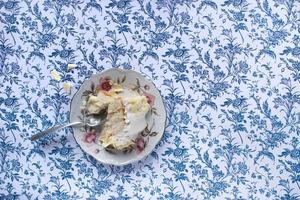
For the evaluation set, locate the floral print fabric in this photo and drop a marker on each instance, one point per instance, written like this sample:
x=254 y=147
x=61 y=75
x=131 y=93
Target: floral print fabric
x=229 y=73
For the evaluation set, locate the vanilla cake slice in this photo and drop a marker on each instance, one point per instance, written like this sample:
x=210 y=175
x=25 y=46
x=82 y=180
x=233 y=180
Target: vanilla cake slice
x=126 y=116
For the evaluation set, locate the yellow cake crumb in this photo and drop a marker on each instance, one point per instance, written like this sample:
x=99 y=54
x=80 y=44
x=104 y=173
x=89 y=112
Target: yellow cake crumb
x=67 y=87
x=55 y=75
x=71 y=66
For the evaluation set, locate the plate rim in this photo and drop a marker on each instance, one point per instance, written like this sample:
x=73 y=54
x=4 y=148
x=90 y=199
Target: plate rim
x=124 y=71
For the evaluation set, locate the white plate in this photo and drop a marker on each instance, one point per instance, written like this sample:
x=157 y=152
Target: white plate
x=156 y=119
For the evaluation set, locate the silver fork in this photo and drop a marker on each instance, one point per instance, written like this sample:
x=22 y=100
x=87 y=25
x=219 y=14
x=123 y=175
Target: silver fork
x=91 y=122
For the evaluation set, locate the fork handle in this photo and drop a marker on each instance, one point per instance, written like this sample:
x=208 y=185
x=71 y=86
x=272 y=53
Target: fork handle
x=55 y=128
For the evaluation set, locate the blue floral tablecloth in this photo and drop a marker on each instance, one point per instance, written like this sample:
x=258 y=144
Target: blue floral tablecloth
x=229 y=72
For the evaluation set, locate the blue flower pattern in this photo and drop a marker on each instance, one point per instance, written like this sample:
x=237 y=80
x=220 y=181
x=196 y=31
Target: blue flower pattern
x=228 y=71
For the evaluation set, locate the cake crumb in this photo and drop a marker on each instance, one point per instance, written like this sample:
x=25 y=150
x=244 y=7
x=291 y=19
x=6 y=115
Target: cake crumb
x=71 y=66
x=55 y=75
x=67 y=87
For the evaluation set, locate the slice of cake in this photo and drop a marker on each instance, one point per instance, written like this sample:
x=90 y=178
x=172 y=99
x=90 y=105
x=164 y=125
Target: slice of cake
x=96 y=104
x=126 y=116
x=114 y=124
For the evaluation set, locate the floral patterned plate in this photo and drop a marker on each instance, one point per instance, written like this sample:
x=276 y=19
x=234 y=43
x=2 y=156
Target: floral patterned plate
x=156 y=118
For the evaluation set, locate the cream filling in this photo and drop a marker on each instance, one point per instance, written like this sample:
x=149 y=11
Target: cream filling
x=97 y=103
x=136 y=108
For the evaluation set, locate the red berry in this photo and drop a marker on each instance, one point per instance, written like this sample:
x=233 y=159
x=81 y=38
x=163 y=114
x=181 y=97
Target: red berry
x=105 y=86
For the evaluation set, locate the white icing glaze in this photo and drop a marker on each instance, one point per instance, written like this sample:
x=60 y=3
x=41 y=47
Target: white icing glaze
x=135 y=110
x=135 y=122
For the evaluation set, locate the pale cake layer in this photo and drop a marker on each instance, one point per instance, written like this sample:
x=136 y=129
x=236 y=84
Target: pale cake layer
x=126 y=111
x=96 y=104
x=114 y=123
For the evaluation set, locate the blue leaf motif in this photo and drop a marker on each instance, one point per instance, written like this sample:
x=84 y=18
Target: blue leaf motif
x=239 y=127
x=266 y=109
x=206 y=158
x=149 y=53
x=181 y=176
x=267 y=52
x=267 y=7
x=149 y=9
x=207 y=58
x=152 y=54
x=36 y=10
x=35 y=108
x=240 y=26
x=206 y=3
x=36 y=150
x=286 y=51
x=37 y=54
x=207 y=103
x=92 y=59
x=169 y=52
x=211 y=4
x=264 y=153
x=285 y=153
x=55 y=53
x=269 y=155
x=92 y=4
x=154 y=155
